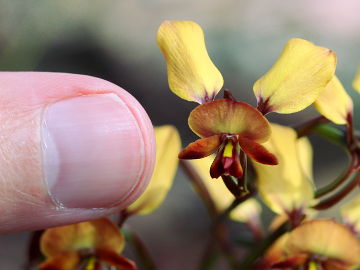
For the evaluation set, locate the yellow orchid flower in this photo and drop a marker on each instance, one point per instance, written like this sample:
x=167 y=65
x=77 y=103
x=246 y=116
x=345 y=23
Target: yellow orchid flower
x=356 y=81
x=296 y=79
x=334 y=102
x=191 y=73
x=316 y=244
x=350 y=213
x=90 y=242
x=227 y=126
x=287 y=187
x=168 y=144
x=247 y=212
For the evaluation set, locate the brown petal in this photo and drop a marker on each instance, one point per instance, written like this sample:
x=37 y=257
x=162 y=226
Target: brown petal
x=226 y=116
x=115 y=259
x=291 y=262
x=65 y=261
x=217 y=168
x=257 y=152
x=201 y=148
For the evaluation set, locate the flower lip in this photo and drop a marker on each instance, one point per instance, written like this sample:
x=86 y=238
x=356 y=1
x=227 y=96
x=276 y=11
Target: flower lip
x=229 y=117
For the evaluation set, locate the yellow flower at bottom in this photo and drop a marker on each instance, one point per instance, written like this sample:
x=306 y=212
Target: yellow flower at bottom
x=66 y=247
x=334 y=103
x=288 y=186
x=168 y=145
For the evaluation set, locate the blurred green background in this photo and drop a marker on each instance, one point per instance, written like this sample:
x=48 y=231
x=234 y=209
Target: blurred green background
x=116 y=40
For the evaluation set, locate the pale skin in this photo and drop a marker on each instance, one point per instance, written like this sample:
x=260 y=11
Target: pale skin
x=25 y=203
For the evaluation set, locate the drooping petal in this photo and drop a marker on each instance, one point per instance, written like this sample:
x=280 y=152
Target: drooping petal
x=334 y=103
x=201 y=148
x=350 y=213
x=100 y=233
x=63 y=261
x=296 y=79
x=191 y=73
x=287 y=186
x=356 y=81
x=168 y=145
x=249 y=211
x=115 y=259
x=226 y=116
x=257 y=152
x=327 y=238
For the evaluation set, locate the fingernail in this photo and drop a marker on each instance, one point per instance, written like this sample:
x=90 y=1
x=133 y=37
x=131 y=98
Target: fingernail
x=92 y=151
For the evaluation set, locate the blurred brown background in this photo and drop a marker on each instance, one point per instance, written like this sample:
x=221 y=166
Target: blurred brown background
x=116 y=40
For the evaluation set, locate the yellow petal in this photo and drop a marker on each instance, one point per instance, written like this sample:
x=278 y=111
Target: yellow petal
x=245 y=212
x=100 y=233
x=297 y=78
x=334 y=103
x=191 y=73
x=167 y=148
x=356 y=81
x=327 y=238
x=287 y=186
x=350 y=213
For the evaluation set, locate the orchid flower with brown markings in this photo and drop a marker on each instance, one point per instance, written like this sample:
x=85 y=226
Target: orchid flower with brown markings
x=231 y=128
x=85 y=245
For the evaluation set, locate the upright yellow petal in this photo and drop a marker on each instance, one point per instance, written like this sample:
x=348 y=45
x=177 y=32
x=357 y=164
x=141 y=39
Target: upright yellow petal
x=248 y=211
x=191 y=73
x=287 y=186
x=94 y=234
x=296 y=79
x=334 y=103
x=327 y=238
x=350 y=213
x=167 y=148
x=356 y=81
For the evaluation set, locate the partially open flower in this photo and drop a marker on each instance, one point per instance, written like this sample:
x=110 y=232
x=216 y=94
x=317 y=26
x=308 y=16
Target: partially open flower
x=167 y=146
x=85 y=243
x=334 y=103
x=230 y=128
x=191 y=73
x=318 y=244
x=296 y=79
x=286 y=188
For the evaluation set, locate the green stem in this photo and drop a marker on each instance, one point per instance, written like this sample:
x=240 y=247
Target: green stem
x=331 y=133
x=335 y=198
x=259 y=250
x=141 y=251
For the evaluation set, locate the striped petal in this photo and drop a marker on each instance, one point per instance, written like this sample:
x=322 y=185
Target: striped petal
x=191 y=73
x=296 y=79
x=226 y=116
